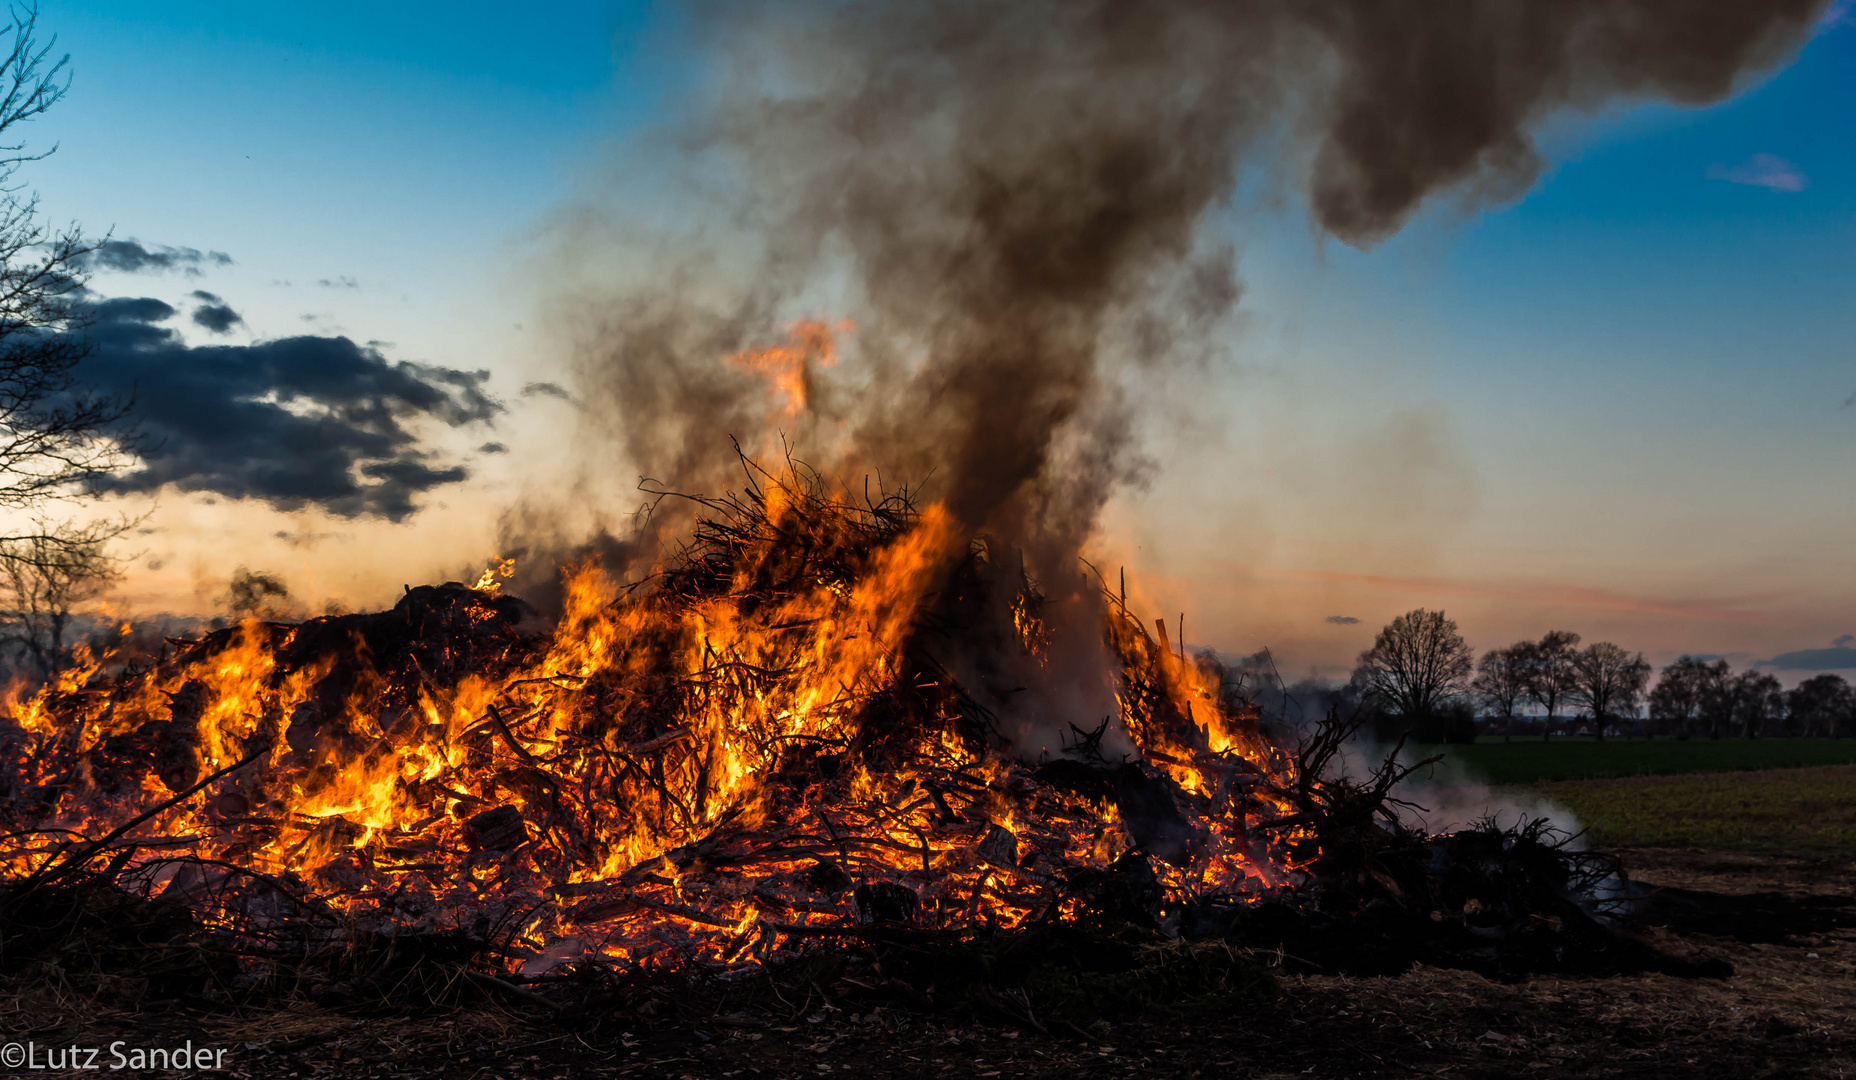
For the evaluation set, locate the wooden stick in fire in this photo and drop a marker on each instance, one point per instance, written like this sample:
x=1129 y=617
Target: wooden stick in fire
x=46 y=874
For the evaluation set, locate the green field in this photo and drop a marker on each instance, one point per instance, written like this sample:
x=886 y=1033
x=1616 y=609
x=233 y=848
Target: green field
x=1797 y=810
x=1533 y=761
x=1779 y=795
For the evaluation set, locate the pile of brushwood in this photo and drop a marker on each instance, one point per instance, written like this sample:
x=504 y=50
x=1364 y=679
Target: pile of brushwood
x=1378 y=898
x=1382 y=896
x=1374 y=896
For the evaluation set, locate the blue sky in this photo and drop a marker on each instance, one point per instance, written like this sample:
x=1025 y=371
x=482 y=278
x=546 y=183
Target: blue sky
x=404 y=148
x=1631 y=380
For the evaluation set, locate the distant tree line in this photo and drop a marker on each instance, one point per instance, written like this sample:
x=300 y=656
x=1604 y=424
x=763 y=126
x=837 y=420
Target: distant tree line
x=1420 y=677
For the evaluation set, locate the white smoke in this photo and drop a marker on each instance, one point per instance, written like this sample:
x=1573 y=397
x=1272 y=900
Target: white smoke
x=1450 y=796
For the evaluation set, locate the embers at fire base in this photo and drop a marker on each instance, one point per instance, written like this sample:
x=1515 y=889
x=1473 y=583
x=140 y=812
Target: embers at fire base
x=755 y=753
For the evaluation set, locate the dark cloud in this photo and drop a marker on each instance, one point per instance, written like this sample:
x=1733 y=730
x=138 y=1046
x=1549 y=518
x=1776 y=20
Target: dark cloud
x=214 y=314
x=1840 y=656
x=217 y=318
x=300 y=421
x=1837 y=659
x=131 y=257
x=125 y=309
x=1342 y=620
x=492 y=448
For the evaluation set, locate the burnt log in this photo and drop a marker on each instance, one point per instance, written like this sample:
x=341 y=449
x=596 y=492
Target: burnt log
x=827 y=877
x=177 y=754
x=1077 y=778
x=497 y=829
x=1000 y=848
x=305 y=727
x=885 y=902
x=1128 y=891
x=1151 y=816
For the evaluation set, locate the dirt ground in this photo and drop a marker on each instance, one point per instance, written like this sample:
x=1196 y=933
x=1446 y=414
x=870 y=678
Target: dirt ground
x=1786 y=924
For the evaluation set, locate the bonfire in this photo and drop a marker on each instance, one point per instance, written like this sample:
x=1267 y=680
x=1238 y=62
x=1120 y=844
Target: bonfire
x=756 y=751
x=753 y=746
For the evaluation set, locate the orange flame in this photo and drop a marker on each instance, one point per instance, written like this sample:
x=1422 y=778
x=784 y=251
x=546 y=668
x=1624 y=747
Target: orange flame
x=788 y=367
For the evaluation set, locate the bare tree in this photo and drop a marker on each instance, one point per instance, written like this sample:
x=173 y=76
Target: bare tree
x=256 y=594
x=1416 y=663
x=1719 y=696
x=1750 y=699
x=1550 y=672
x=1758 y=702
x=1501 y=682
x=1821 y=703
x=47 y=574
x=1608 y=681
x=1679 y=701
x=57 y=438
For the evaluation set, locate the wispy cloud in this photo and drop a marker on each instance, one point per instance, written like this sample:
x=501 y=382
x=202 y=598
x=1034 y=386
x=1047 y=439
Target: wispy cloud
x=1841 y=13
x=546 y=389
x=1769 y=171
x=1343 y=620
x=1557 y=595
x=133 y=257
x=1840 y=659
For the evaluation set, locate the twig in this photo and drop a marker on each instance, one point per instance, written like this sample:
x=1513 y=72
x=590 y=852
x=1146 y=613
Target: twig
x=46 y=874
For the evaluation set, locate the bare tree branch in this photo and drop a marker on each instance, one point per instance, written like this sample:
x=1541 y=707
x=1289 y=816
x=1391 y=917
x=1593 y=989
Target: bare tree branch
x=57 y=438
x=47 y=574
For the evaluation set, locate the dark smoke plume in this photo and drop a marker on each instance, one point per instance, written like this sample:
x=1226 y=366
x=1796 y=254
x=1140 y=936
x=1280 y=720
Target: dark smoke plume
x=1010 y=200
